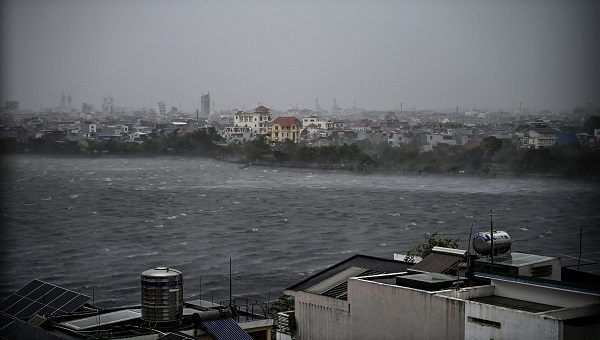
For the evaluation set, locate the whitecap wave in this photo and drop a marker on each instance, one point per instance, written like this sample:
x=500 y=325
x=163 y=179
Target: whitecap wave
x=143 y=254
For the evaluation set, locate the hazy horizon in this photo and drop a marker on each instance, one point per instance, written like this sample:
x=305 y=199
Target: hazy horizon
x=425 y=54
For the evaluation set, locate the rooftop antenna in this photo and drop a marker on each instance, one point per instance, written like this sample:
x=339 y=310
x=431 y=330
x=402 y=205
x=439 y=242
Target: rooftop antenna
x=230 y=296
x=470 y=260
x=470 y=235
x=580 y=237
x=492 y=236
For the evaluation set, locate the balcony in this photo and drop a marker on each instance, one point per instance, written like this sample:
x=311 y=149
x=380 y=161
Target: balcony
x=286 y=325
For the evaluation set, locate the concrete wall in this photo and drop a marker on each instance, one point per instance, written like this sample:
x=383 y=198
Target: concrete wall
x=504 y=323
x=588 y=330
x=547 y=295
x=383 y=311
x=320 y=317
x=469 y=292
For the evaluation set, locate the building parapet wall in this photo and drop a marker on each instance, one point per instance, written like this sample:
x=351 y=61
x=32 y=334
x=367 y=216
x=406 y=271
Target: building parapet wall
x=483 y=321
x=542 y=294
x=407 y=310
x=321 y=317
x=469 y=292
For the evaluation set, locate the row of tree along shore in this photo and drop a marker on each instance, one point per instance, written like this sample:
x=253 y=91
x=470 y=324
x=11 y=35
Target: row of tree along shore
x=493 y=156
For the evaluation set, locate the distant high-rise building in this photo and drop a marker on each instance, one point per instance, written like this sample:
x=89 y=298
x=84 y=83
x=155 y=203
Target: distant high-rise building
x=205 y=104
x=162 y=108
x=107 y=104
x=12 y=106
x=87 y=108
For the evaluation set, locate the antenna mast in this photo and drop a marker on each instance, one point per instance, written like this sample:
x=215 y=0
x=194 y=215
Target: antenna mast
x=492 y=236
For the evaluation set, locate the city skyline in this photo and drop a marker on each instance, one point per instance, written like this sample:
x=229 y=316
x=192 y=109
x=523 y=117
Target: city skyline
x=428 y=55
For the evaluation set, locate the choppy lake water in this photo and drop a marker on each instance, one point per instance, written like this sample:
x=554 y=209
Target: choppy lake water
x=85 y=222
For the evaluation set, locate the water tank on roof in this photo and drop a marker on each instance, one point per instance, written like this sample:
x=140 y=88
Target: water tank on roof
x=162 y=295
x=482 y=243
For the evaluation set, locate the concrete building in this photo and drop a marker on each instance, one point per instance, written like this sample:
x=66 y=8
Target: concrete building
x=285 y=128
x=162 y=109
x=248 y=125
x=321 y=123
x=435 y=300
x=12 y=106
x=258 y=121
x=430 y=140
x=87 y=108
x=536 y=136
x=205 y=104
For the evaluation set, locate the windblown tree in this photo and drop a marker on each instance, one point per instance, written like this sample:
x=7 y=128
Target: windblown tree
x=424 y=248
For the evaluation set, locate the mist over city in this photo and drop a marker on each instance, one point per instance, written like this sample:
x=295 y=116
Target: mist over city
x=374 y=55
x=299 y=169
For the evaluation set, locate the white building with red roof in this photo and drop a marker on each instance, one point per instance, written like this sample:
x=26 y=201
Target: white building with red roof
x=249 y=125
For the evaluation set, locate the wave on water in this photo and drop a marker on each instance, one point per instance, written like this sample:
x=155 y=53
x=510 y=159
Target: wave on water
x=277 y=229
x=143 y=254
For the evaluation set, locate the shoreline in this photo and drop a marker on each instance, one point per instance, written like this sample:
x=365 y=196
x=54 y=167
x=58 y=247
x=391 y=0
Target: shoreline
x=320 y=167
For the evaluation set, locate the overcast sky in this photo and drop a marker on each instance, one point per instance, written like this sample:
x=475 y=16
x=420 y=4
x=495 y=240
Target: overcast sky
x=424 y=54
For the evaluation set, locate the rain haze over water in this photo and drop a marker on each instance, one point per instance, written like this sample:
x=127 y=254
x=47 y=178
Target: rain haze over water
x=81 y=223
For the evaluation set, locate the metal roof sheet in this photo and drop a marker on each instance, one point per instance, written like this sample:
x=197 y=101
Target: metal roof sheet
x=335 y=280
x=225 y=329
x=383 y=265
x=437 y=263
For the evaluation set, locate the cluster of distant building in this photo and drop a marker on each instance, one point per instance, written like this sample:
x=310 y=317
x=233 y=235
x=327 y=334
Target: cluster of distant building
x=424 y=129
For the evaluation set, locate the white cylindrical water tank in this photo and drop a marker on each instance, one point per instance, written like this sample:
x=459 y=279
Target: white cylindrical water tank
x=482 y=242
x=162 y=295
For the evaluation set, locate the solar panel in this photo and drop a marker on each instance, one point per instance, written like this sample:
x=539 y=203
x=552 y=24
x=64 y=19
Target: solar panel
x=31 y=286
x=41 y=297
x=9 y=302
x=29 y=311
x=75 y=303
x=8 y=329
x=225 y=329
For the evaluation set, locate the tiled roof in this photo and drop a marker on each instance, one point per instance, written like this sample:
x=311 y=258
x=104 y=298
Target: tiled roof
x=543 y=129
x=285 y=121
x=262 y=108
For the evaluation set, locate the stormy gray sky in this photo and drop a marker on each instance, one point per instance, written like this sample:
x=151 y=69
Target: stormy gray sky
x=424 y=54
